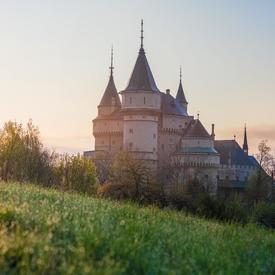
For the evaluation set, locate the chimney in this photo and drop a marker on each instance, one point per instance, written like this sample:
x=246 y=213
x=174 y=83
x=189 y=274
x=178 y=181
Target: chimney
x=168 y=91
x=213 y=131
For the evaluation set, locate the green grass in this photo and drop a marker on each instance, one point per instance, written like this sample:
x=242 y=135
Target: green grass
x=47 y=232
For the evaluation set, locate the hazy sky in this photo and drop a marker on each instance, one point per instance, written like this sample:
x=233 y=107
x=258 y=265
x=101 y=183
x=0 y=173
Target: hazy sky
x=54 y=59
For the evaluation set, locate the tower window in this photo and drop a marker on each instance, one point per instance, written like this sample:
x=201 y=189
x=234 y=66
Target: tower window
x=144 y=100
x=130 y=100
x=131 y=131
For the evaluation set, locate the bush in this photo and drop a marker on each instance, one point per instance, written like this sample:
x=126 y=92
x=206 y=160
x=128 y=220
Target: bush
x=264 y=214
x=211 y=207
x=76 y=173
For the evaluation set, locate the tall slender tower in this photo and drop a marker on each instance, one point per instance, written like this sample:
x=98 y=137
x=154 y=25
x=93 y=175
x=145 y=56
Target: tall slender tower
x=245 y=144
x=141 y=101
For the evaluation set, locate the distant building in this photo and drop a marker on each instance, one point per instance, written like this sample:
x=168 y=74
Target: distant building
x=156 y=128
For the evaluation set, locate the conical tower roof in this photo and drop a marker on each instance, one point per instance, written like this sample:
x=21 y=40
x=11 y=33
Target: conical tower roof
x=110 y=96
x=180 y=94
x=142 y=78
x=245 y=143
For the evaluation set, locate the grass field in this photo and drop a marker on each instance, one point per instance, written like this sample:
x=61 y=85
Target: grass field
x=47 y=232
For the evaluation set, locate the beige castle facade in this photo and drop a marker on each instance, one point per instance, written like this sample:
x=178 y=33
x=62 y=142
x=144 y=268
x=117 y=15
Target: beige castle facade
x=156 y=127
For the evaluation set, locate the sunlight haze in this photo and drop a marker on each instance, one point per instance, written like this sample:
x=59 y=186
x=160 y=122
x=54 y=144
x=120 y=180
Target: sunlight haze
x=55 y=58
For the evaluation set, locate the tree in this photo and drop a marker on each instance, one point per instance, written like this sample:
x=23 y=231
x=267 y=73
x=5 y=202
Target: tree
x=130 y=179
x=22 y=156
x=260 y=184
x=76 y=173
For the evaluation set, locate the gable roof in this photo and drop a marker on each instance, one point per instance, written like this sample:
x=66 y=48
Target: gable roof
x=110 y=96
x=142 y=78
x=230 y=149
x=196 y=130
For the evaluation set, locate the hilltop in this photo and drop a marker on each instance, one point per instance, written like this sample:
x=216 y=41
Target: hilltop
x=54 y=232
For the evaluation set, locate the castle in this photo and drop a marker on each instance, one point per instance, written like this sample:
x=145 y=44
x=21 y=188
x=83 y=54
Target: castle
x=156 y=128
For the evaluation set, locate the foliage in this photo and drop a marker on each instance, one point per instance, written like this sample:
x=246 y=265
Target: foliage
x=49 y=232
x=76 y=173
x=22 y=156
x=24 y=159
x=264 y=214
x=132 y=178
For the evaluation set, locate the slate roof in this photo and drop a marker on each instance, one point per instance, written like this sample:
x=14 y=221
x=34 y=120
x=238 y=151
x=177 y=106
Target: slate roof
x=109 y=94
x=170 y=106
x=198 y=150
x=230 y=148
x=196 y=130
x=180 y=95
x=142 y=78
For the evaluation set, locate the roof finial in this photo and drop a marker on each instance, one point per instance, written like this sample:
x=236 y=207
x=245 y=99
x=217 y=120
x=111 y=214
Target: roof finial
x=112 y=61
x=141 y=37
x=180 y=73
x=198 y=115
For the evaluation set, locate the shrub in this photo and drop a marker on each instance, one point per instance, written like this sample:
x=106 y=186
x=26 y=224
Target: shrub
x=211 y=207
x=264 y=214
x=76 y=173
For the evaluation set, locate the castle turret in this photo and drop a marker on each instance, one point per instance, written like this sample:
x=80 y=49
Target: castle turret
x=110 y=100
x=180 y=94
x=245 y=144
x=141 y=102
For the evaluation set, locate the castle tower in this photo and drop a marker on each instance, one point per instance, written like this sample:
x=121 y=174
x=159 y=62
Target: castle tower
x=108 y=126
x=245 y=144
x=180 y=94
x=141 y=102
x=110 y=100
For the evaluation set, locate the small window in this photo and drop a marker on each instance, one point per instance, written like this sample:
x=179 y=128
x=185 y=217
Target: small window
x=113 y=142
x=154 y=135
x=218 y=177
x=102 y=142
x=154 y=149
x=131 y=145
x=144 y=100
x=131 y=131
x=130 y=100
x=206 y=176
x=162 y=147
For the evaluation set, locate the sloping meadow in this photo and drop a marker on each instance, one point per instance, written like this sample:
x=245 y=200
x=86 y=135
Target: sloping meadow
x=48 y=232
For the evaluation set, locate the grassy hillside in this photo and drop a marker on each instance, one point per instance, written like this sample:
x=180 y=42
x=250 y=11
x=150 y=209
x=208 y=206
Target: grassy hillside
x=59 y=233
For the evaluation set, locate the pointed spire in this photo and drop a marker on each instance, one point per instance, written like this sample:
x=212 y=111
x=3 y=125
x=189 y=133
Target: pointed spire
x=180 y=94
x=110 y=96
x=112 y=61
x=141 y=35
x=142 y=78
x=245 y=144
